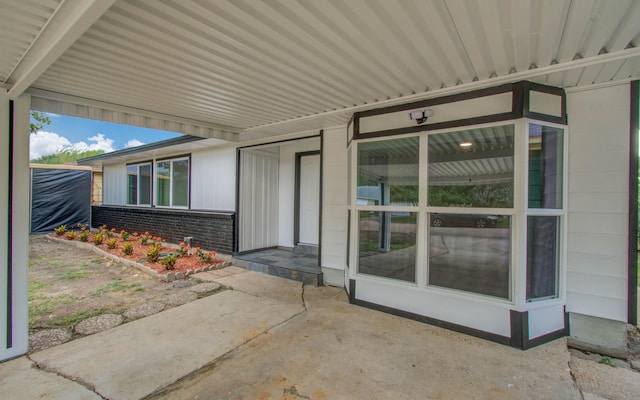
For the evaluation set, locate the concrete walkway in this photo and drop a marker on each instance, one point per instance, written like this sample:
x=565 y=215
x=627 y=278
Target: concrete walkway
x=271 y=338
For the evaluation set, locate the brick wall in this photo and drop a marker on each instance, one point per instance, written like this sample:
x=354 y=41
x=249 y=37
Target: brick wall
x=210 y=230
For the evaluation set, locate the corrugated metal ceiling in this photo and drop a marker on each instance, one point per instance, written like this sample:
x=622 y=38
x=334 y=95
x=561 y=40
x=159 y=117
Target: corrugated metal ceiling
x=273 y=67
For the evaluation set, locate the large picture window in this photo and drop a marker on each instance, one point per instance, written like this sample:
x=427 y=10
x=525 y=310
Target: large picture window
x=139 y=184
x=462 y=195
x=172 y=183
x=472 y=168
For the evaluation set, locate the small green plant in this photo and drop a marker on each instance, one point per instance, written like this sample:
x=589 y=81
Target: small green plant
x=84 y=236
x=145 y=238
x=124 y=235
x=98 y=239
x=606 y=360
x=71 y=235
x=169 y=261
x=82 y=227
x=153 y=253
x=60 y=230
x=127 y=248
x=111 y=243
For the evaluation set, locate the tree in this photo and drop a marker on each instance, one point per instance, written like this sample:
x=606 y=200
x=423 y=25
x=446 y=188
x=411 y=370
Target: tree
x=66 y=156
x=38 y=121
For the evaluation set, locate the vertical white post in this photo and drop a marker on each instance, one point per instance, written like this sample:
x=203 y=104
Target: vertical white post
x=14 y=225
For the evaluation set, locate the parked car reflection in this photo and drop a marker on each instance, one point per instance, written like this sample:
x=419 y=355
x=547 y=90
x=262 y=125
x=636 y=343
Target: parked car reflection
x=463 y=220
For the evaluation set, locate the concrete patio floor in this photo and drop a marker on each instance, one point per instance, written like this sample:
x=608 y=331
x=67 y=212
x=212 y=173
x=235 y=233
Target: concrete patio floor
x=271 y=338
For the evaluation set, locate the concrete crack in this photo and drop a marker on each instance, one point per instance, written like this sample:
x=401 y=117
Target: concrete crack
x=294 y=391
x=89 y=386
x=574 y=380
x=304 y=304
x=162 y=391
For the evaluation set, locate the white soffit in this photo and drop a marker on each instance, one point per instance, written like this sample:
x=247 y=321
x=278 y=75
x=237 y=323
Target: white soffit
x=266 y=68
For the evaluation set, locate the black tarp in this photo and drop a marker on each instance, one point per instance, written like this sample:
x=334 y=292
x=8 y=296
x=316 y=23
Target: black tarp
x=59 y=197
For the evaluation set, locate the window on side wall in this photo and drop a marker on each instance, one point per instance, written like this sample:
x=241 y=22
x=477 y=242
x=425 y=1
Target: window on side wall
x=387 y=198
x=172 y=183
x=546 y=210
x=139 y=184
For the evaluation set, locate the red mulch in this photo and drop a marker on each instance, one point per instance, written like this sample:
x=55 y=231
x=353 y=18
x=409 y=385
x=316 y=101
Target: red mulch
x=183 y=264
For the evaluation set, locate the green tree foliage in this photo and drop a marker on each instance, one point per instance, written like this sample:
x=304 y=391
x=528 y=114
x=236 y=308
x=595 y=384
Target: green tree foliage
x=38 y=121
x=66 y=156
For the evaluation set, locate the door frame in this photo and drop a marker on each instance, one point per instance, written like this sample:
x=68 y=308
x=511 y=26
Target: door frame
x=296 y=206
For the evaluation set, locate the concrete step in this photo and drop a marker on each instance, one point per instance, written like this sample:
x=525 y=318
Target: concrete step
x=305 y=249
x=309 y=275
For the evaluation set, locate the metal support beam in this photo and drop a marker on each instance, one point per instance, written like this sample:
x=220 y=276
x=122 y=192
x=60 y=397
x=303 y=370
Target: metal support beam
x=69 y=21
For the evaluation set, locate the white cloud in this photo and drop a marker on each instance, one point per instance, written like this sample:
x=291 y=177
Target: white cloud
x=44 y=143
x=100 y=143
x=52 y=115
x=133 y=143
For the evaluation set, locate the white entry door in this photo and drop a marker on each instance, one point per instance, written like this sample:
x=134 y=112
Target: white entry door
x=309 y=199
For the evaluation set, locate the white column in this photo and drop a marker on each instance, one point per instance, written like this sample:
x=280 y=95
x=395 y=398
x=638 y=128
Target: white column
x=14 y=225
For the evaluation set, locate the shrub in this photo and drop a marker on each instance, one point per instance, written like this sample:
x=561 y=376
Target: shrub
x=84 y=236
x=153 y=253
x=71 y=235
x=183 y=250
x=169 y=261
x=124 y=235
x=206 y=257
x=127 y=248
x=111 y=243
x=98 y=238
x=83 y=227
x=60 y=230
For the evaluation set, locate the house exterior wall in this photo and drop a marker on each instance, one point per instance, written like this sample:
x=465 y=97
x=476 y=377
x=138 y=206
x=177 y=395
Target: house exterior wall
x=334 y=205
x=598 y=215
x=209 y=230
x=213 y=177
x=598 y=202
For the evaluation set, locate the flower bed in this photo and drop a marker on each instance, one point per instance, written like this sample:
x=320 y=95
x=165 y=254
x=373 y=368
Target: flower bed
x=147 y=251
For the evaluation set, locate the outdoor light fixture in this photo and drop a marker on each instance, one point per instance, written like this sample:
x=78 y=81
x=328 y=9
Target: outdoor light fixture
x=420 y=116
x=466 y=144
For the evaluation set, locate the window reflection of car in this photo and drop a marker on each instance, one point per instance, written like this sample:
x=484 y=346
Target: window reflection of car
x=463 y=220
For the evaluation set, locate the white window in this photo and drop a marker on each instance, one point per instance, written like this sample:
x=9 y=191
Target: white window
x=139 y=184
x=172 y=183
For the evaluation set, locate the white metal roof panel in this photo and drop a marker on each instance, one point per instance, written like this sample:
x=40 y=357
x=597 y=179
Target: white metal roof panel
x=275 y=67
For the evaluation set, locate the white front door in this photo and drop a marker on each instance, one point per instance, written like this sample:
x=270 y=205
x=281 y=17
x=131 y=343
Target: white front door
x=309 y=199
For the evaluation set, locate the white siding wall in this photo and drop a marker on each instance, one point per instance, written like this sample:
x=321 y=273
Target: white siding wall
x=259 y=200
x=213 y=180
x=286 y=191
x=598 y=202
x=114 y=185
x=334 y=199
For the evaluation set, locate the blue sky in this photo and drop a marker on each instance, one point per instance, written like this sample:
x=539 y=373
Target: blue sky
x=66 y=132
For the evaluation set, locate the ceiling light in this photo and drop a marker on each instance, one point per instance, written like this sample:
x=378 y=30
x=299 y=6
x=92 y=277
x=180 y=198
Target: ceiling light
x=466 y=144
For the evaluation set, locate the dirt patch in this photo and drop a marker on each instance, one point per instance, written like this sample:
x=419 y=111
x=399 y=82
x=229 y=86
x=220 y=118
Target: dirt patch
x=68 y=285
